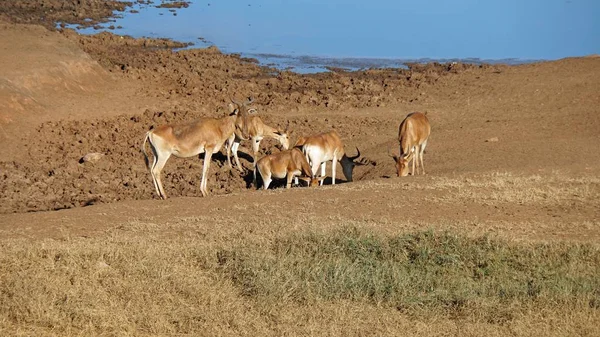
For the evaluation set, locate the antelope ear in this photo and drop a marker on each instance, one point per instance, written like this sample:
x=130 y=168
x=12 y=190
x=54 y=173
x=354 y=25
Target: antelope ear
x=306 y=179
x=408 y=157
x=251 y=111
x=279 y=133
x=321 y=178
x=287 y=128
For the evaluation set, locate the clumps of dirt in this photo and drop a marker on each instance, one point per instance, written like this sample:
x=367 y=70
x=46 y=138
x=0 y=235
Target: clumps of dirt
x=174 y=4
x=206 y=75
x=57 y=176
x=48 y=12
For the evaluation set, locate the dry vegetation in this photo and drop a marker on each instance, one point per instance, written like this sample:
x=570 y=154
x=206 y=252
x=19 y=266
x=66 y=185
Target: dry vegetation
x=182 y=278
x=503 y=187
x=305 y=273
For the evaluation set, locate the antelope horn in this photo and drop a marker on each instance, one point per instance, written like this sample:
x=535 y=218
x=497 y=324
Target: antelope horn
x=354 y=157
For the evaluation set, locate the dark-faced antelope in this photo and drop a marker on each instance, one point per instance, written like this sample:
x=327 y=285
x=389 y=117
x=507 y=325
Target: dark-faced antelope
x=257 y=130
x=285 y=164
x=412 y=136
x=328 y=146
x=205 y=135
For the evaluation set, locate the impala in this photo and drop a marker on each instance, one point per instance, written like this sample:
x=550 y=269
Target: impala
x=412 y=136
x=328 y=146
x=205 y=135
x=257 y=130
x=285 y=164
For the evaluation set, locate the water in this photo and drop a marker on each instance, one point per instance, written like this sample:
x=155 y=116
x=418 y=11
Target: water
x=310 y=35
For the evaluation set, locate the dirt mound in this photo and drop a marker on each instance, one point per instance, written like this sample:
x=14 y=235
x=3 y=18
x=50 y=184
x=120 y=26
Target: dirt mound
x=40 y=66
x=40 y=70
x=44 y=77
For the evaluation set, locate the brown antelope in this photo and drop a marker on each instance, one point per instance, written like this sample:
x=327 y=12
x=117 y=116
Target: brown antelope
x=412 y=136
x=205 y=135
x=257 y=130
x=328 y=146
x=285 y=164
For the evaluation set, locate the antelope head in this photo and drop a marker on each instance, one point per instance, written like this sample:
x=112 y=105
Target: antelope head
x=312 y=182
x=348 y=163
x=284 y=137
x=401 y=163
x=241 y=110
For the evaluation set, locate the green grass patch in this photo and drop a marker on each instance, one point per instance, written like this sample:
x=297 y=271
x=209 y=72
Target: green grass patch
x=425 y=270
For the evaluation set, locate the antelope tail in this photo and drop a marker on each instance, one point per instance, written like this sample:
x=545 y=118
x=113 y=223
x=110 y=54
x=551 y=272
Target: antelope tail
x=146 y=160
x=254 y=182
x=306 y=167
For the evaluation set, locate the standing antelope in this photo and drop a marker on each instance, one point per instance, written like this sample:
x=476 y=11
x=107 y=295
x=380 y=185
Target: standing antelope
x=257 y=130
x=186 y=140
x=285 y=164
x=321 y=148
x=412 y=136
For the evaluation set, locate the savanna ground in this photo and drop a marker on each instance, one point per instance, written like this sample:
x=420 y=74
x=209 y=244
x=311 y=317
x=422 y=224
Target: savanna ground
x=499 y=238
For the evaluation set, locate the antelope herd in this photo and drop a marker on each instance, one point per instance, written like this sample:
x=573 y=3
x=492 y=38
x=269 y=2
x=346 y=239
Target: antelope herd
x=309 y=153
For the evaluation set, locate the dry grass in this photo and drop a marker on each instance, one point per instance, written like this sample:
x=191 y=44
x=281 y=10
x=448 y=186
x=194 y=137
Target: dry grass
x=194 y=277
x=496 y=187
x=423 y=272
x=339 y=272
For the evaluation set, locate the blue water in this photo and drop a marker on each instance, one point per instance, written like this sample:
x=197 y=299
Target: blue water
x=308 y=35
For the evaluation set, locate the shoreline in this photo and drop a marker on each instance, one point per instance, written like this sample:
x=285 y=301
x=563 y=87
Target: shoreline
x=92 y=24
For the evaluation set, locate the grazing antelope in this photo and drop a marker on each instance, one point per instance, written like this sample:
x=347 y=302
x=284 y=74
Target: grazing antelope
x=205 y=135
x=285 y=164
x=412 y=136
x=321 y=148
x=257 y=130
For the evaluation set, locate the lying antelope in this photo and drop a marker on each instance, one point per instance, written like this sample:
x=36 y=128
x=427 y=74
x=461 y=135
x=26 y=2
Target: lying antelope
x=257 y=130
x=205 y=135
x=285 y=164
x=324 y=147
x=412 y=136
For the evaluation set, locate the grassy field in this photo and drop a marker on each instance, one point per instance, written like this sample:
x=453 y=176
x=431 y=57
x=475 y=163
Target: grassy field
x=142 y=278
